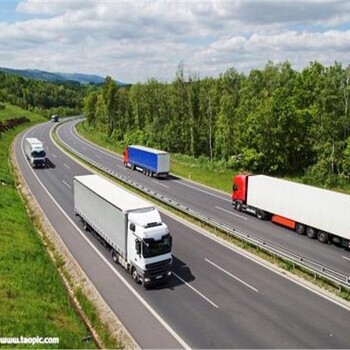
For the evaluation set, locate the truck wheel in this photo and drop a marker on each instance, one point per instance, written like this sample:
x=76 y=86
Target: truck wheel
x=300 y=229
x=323 y=237
x=260 y=214
x=135 y=275
x=238 y=206
x=311 y=232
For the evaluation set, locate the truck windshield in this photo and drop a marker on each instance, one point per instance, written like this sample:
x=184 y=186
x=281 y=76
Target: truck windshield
x=38 y=154
x=151 y=247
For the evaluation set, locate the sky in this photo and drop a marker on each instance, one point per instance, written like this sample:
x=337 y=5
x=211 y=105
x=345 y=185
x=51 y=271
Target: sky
x=134 y=41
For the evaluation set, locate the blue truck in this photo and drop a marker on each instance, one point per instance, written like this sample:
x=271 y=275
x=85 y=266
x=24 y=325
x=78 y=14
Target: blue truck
x=150 y=161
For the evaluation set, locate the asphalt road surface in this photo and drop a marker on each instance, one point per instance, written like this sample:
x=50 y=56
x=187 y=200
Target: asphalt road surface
x=214 y=204
x=217 y=297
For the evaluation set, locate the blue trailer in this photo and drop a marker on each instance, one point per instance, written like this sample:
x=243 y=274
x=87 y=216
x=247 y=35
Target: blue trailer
x=150 y=161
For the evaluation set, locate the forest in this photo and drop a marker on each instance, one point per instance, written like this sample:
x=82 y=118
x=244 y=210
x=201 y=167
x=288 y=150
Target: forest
x=42 y=97
x=275 y=120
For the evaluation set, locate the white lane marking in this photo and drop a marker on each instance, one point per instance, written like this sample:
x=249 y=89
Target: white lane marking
x=54 y=155
x=66 y=184
x=230 y=212
x=103 y=258
x=98 y=156
x=346 y=258
x=231 y=275
x=66 y=165
x=195 y=290
x=84 y=148
x=204 y=191
x=160 y=184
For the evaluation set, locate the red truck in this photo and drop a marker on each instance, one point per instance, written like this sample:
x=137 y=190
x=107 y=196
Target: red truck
x=309 y=210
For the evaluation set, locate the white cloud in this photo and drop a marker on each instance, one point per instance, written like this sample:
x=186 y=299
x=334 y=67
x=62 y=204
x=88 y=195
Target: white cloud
x=136 y=40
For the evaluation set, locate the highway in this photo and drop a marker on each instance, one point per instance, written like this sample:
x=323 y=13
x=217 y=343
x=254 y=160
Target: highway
x=214 y=204
x=218 y=297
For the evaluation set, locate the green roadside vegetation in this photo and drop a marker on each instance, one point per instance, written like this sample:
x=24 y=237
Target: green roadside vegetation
x=33 y=299
x=214 y=174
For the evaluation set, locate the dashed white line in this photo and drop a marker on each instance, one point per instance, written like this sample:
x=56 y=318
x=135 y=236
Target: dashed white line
x=207 y=192
x=66 y=184
x=66 y=165
x=98 y=156
x=231 y=275
x=160 y=184
x=346 y=258
x=54 y=155
x=195 y=290
x=230 y=212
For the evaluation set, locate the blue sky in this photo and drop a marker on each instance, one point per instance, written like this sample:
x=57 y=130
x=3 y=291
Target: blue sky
x=137 y=40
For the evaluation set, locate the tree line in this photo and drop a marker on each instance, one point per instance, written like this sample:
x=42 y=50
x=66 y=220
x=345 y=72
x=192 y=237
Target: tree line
x=42 y=97
x=274 y=120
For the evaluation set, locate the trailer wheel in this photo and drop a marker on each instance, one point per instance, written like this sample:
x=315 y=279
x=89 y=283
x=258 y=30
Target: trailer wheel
x=323 y=237
x=260 y=214
x=114 y=256
x=85 y=225
x=300 y=229
x=135 y=275
x=311 y=232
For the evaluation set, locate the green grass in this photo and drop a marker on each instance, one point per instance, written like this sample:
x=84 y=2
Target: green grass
x=33 y=299
x=213 y=174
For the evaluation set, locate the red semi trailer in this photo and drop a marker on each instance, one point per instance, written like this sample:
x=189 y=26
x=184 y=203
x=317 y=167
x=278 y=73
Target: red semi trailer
x=309 y=210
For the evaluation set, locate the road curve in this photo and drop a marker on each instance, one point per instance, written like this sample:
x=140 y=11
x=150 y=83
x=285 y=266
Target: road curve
x=217 y=298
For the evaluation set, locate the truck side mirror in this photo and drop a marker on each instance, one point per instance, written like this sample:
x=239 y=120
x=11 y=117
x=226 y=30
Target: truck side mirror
x=132 y=227
x=138 y=246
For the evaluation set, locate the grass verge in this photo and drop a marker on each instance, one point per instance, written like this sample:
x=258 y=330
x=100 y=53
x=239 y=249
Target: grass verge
x=33 y=299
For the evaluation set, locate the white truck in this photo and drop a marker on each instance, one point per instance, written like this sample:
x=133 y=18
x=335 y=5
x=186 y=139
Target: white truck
x=34 y=151
x=309 y=210
x=130 y=227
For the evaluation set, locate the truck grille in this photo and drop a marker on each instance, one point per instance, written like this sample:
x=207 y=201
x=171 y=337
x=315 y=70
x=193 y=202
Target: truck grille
x=158 y=268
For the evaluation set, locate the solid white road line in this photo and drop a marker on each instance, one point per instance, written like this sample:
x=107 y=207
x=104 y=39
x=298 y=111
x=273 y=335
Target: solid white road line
x=201 y=190
x=231 y=275
x=231 y=212
x=160 y=184
x=66 y=165
x=346 y=258
x=66 y=184
x=104 y=259
x=195 y=290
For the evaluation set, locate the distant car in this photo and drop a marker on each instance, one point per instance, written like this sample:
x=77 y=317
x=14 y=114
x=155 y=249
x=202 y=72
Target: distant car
x=54 y=118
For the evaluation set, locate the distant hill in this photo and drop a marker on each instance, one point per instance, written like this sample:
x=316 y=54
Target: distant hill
x=58 y=77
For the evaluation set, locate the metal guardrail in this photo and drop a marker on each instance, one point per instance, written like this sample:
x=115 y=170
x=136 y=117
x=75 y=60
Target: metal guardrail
x=312 y=266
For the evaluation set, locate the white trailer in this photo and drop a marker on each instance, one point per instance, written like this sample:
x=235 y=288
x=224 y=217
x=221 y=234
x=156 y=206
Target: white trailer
x=34 y=151
x=306 y=209
x=131 y=227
